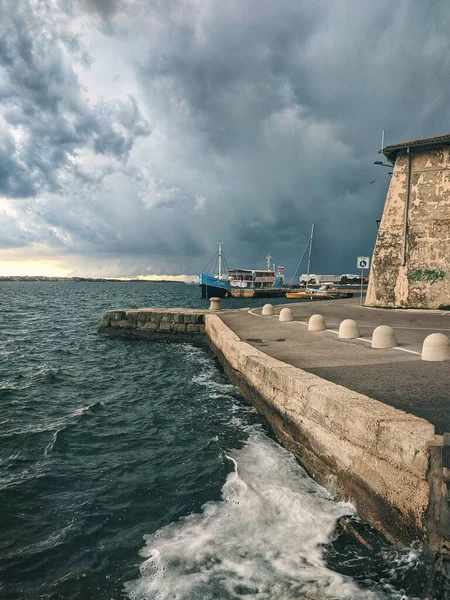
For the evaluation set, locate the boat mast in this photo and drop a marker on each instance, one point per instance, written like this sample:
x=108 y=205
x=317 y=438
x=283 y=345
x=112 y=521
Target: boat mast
x=310 y=248
x=220 y=259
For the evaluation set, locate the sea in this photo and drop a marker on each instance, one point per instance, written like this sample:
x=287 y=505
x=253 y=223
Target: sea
x=134 y=469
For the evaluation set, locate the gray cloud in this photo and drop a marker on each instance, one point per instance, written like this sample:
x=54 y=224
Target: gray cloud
x=265 y=117
x=45 y=107
x=104 y=7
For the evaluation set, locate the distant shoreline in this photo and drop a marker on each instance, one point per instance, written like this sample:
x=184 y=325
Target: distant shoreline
x=83 y=279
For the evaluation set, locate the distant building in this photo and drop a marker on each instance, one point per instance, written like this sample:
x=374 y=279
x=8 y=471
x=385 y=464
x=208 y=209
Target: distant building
x=351 y=276
x=318 y=279
x=313 y=279
x=411 y=260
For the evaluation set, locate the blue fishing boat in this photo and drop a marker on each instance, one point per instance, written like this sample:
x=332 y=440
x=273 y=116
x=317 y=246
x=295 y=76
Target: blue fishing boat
x=223 y=284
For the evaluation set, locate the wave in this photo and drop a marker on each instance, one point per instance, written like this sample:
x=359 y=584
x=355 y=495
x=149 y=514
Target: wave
x=56 y=538
x=47 y=436
x=51 y=426
x=83 y=409
x=46 y=374
x=264 y=539
x=30 y=473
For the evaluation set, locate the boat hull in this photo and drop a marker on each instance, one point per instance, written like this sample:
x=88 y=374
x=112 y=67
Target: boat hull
x=212 y=291
x=306 y=296
x=317 y=296
x=213 y=287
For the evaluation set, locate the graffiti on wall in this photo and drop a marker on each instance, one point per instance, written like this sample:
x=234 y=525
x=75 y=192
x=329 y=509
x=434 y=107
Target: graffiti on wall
x=428 y=275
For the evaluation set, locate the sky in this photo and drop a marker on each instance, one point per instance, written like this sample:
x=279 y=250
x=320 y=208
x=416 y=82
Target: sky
x=136 y=134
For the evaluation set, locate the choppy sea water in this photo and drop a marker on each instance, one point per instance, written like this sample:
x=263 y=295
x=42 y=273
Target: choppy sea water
x=134 y=470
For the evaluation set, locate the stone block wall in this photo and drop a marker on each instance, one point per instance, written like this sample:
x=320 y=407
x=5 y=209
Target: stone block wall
x=153 y=322
x=424 y=280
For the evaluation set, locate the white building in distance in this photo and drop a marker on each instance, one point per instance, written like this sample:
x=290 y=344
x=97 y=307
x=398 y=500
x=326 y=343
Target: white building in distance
x=318 y=279
x=313 y=279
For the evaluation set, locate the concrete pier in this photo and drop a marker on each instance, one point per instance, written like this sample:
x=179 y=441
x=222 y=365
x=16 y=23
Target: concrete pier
x=365 y=422
x=259 y=293
x=394 y=376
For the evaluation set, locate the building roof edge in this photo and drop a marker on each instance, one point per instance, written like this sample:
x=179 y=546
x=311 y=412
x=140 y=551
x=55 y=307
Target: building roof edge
x=391 y=151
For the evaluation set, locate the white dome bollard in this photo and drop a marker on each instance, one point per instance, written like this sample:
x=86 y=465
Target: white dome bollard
x=384 y=337
x=267 y=310
x=436 y=347
x=348 y=329
x=317 y=323
x=286 y=315
x=215 y=304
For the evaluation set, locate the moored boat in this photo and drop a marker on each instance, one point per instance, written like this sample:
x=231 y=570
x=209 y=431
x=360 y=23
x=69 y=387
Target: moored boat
x=213 y=286
x=327 y=291
x=242 y=282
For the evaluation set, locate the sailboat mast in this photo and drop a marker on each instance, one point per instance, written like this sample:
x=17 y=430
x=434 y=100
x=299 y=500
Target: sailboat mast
x=310 y=249
x=220 y=259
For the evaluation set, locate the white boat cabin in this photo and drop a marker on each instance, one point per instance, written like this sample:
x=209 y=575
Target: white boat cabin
x=246 y=278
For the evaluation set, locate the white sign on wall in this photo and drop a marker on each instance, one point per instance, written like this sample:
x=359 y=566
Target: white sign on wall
x=363 y=262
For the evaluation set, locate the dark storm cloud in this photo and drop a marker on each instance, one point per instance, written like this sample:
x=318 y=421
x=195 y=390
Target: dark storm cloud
x=265 y=116
x=295 y=95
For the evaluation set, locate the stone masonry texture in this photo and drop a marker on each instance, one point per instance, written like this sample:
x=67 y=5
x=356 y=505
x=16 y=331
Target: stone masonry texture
x=424 y=280
x=164 y=323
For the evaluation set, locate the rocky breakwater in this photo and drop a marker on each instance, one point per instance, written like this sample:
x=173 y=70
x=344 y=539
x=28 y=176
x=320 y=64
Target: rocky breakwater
x=154 y=323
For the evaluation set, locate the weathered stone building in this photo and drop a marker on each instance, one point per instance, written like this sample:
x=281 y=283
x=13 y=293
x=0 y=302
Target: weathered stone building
x=411 y=260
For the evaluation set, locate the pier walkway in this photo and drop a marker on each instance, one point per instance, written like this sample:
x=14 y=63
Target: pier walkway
x=396 y=376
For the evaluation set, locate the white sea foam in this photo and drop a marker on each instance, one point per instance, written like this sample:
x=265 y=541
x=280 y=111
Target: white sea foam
x=262 y=541
x=205 y=379
x=79 y=411
x=207 y=375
